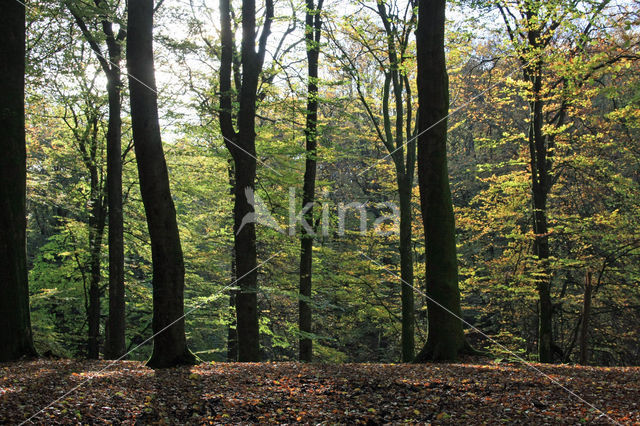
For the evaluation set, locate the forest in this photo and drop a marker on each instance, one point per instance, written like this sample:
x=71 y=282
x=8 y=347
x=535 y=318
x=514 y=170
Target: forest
x=284 y=194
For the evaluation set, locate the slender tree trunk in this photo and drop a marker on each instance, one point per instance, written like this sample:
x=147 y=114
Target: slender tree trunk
x=115 y=345
x=446 y=337
x=96 y=233
x=89 y=147
x=93 y=314
x=404 y=170
x=241 y=145
x=540 y=188
x=545 y=321
x=313 y=29
x=584 y=325
x=169 y=344
x=15 y=324
x=88 y=142
x=541 y=150
x=406 y=270
x=232 y=332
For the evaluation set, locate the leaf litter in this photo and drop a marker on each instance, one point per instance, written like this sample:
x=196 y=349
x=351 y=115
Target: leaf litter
x=126 y=392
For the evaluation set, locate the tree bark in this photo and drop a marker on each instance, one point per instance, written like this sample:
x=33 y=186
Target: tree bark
x=115 y=345
x=232 y=331
x=406 y=271
x=96 y=233
x=313 y=28
x=241 y=145
x=540 y=186
x=446 y=337
x=169 y=344
x=88 y=142
x=584 y=324
x=245 y=246
x=93 y=314
x=405 y=167
x=15 y=324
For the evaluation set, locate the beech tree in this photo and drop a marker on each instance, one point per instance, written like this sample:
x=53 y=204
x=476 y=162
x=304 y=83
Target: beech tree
x=312 y=34
x=169 y=343
x=15 y=324
x=532 y=27
x=446 y=339
x=241 y=143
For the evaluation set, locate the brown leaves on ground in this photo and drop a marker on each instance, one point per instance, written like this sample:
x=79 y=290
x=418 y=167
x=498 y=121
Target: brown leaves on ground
x=129 y=393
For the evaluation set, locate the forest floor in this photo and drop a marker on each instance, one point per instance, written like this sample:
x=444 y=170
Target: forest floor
x=126 y=392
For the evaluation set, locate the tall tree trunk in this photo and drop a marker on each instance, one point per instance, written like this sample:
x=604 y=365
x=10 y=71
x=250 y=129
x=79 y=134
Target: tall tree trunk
x=541 y=150
x=232 y=331
x=540 y=184
x=406 y=269
x=93 y=314
x=115 y=345
x=169 y=344
x=245 y=248
x=394 y=82
x=584 y=324
x=245 y=168
x=241 y=145
x=537 y=26
x=88 y=143
x=15 y=324
x=96 y=233
x=541 y=250
x=446 y=337
x=312 y=36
